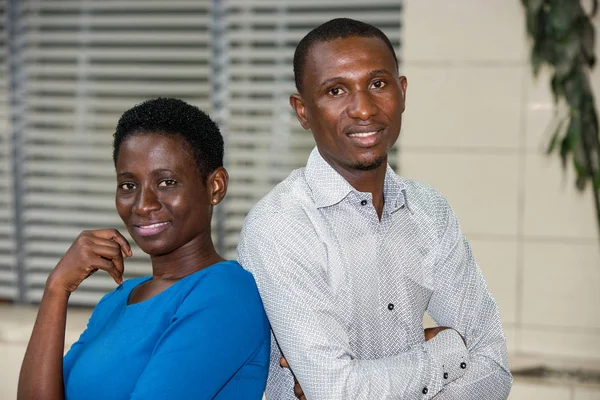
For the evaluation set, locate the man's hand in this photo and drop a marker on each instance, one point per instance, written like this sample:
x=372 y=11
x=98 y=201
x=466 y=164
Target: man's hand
x=431 y=332
x=297 y=389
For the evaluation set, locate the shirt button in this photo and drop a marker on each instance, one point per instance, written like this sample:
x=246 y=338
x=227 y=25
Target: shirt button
x=445 y=375
x=425 y=390
x=390 y=306
x=363 y=203
x=463 y=365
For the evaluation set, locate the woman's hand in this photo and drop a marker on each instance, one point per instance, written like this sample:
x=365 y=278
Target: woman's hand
x=42 y=370
x=92 y=250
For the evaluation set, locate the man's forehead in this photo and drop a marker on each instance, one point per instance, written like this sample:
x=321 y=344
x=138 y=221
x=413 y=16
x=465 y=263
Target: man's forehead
x=335 y=53
x=342 y=43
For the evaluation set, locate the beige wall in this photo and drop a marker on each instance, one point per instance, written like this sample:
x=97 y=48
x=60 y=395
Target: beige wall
x=475 y=129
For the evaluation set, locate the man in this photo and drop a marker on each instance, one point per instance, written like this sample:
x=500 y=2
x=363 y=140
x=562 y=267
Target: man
x=348 y=256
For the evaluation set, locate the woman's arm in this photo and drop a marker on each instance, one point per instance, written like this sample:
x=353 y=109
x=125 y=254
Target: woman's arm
x=41 y=374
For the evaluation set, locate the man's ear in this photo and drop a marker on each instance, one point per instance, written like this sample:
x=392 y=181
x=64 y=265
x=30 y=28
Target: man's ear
x=403 y=86
x=217 y=185
x=298 y=107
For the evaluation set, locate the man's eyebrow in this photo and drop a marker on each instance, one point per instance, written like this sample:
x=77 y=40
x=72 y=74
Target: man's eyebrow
x=124 y=174
x=330 y=80
x=380 y=72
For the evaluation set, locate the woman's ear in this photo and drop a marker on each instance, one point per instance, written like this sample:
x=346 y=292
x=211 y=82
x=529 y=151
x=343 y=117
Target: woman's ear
x=217 y=185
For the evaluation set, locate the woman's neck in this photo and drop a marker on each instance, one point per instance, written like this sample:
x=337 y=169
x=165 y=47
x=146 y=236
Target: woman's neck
x=184 y=261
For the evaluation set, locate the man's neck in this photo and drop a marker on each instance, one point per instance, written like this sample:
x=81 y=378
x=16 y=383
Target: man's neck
x=371 y=181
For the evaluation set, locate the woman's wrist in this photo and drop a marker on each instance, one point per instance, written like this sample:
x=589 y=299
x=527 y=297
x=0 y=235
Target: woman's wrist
x=55 y=289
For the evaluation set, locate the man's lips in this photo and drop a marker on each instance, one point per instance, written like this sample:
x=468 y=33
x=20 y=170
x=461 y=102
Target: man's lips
x=151 y=228
x=365 y=136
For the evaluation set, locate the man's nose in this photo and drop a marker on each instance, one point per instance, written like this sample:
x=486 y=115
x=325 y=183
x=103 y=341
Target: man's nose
x=362 y=105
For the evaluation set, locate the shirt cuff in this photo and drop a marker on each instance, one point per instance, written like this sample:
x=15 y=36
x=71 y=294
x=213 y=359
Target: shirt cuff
x=449 y=359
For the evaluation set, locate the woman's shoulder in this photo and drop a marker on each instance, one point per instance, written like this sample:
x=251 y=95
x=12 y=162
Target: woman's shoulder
x=225 y=294
x=226 y=281
x=224 y=273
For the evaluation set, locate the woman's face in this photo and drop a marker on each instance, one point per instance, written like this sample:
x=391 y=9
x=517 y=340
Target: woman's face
x=161 y=196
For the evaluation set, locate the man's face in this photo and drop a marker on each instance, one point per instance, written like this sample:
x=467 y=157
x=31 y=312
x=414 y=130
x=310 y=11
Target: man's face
x=352 y=100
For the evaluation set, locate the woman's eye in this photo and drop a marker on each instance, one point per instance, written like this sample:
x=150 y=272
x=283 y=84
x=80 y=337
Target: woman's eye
x=127 y=186
x=167 y=182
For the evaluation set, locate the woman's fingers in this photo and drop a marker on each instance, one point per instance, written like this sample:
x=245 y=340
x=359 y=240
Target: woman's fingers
x=117 y=237
x=111 y=250
x=92 y=250
x=108 y=266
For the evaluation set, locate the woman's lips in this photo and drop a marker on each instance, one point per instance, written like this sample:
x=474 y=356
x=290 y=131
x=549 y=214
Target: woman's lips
x=151 y=229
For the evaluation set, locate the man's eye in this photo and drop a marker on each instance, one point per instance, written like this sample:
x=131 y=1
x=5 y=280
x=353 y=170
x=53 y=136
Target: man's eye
x=378 y=84
x=127 y=186
x=167 y=182
x=335 y=91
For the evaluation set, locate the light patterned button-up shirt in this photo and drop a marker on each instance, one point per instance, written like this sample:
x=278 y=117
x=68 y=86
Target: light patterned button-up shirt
x=346 y=292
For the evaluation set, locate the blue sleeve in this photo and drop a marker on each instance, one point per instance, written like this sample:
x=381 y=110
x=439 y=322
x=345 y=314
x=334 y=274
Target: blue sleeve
x=218 y=328
x=97 y=319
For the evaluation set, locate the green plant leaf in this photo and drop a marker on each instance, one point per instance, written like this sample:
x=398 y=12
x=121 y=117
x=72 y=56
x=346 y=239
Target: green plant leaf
x=570 y=140
x=566 y=54
x=579 y=163
x=563 y=37
x=533 y=8
x=555 y=135
x=588 y=40
x=594 y=8
x=575 y=86
x=596 y=181
x=561 y=15
x=558 y=87
x=538 y=57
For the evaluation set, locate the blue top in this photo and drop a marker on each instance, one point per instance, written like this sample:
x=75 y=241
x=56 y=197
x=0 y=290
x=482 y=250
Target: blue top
x=204 y=337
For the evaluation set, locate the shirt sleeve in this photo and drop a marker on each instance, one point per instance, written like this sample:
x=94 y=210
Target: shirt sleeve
x=462 y=301
x=312 y=335
x=220 y=327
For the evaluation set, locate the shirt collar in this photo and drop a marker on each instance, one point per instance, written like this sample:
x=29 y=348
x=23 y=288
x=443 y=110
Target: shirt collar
x=329 y=187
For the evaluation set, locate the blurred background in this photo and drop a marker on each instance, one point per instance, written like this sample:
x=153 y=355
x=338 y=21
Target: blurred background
x=476 y=128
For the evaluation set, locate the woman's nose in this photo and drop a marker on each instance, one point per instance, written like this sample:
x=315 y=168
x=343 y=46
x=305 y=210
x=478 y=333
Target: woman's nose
x=146 y=202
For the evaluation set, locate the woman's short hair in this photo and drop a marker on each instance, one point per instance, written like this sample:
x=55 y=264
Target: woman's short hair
x=174 y=117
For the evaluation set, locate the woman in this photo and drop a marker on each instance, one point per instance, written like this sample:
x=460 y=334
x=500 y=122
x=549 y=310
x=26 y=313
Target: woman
x=194 y=329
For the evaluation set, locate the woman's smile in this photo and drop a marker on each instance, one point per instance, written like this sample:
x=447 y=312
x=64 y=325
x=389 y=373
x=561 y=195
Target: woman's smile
x=151 y=229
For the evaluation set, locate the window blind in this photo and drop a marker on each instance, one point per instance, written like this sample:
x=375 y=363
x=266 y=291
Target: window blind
x=87 y=61
x=264 y=140
x=8 y=275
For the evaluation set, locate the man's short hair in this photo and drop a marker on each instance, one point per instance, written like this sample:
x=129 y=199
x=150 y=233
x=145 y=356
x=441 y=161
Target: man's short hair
x=338 y=28
x=174 y=117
